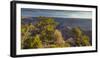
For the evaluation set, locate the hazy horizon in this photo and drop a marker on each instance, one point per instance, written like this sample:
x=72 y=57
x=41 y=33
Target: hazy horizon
x=56 y=13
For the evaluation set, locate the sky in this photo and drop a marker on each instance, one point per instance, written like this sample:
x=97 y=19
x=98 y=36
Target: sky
x=56 y=13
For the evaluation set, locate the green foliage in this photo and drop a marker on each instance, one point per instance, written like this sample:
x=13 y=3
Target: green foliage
x=67 y=44
x=44 y=34
x=77 y=31
x=85 y=40
x=27 y=43
x=78 y=41
x=36 y=43
x=33 y=42
x=81 y=39
x=25 y=34
x=53 y=46
x=46 y=27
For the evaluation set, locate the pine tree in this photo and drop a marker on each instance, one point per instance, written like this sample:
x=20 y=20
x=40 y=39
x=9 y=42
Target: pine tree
x=46 y=27
x=25 y=35
x=59 y=39
x=85 y=40
x=80 y=38
x=36 y=43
